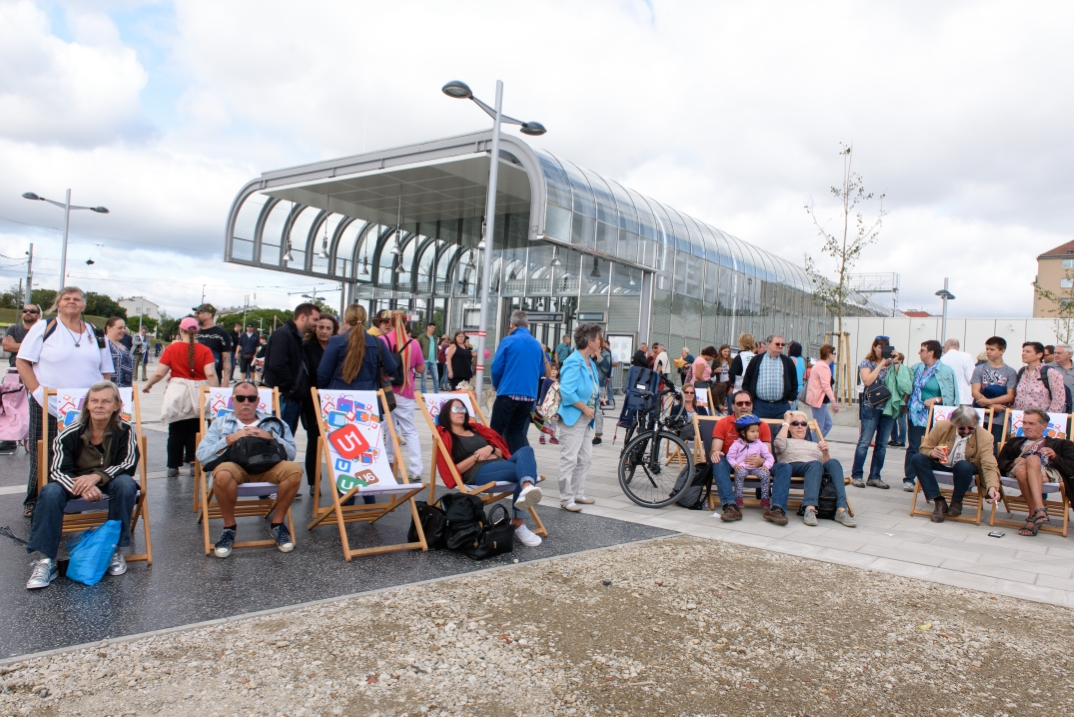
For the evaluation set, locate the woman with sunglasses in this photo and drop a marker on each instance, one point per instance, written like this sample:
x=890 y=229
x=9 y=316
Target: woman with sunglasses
x=480 y=456
x=875 y=426
x=686 y=407
x=811 y=461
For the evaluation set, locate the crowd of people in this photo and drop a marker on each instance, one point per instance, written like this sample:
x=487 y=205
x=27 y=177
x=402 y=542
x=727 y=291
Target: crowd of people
x=567 y=388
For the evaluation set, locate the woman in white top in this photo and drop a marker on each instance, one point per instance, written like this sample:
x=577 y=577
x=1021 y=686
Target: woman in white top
x=64 y=352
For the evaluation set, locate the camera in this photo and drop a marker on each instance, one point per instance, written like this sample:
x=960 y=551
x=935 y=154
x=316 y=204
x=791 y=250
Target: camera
x=886 y=352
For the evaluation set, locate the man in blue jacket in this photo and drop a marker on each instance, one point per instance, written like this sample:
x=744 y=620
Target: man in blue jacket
x=517 y=370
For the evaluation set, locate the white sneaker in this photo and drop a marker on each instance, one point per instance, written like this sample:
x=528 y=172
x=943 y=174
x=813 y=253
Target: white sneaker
x=585 y=500
x=572 y=507
x=528 y=497
x=527 y=537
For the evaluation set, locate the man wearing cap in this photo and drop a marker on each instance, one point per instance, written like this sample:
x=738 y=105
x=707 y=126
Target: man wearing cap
x=216 y=339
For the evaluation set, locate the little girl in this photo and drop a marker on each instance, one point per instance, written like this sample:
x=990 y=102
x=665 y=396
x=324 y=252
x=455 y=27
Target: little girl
x=551 y=381
x=749 y=444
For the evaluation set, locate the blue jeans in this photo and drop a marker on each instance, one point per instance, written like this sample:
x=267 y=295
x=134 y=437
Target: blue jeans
x=781 y=484
x=813 y=472
x=770 y=409
x=899 y=433
x=914 y=434
x=519 y=468
x=873 y=422
x=290 y=411
x=511 y=419
x=924 y=468
x=430 y=372
x=48 y=516
x=823 y=417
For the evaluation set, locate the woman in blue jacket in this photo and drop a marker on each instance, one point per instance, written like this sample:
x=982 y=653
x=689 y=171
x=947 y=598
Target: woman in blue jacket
x=934 y=383
x=579 y=391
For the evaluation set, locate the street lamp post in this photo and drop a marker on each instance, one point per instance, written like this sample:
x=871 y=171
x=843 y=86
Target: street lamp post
x=461 y=91
x=67 y=207
x=946 y=296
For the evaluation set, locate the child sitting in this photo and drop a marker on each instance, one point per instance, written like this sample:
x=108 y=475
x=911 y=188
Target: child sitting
x=749 y=444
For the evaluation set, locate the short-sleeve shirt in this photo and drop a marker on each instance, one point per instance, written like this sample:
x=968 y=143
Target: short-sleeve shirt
x=988 y=375
x=177 y=358
x=706 y=370
x=17 y=332
x=1032 y=393
x=66 y=359
x=217 y=340
x=417 y=360
x=871 y=365
x=725 y=431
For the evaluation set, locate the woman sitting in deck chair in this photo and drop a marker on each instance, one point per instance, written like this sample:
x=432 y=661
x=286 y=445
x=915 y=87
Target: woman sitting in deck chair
x=481 y=456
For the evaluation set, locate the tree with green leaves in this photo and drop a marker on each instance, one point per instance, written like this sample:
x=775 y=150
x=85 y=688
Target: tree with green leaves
x=846 y=242
x=1063 y=306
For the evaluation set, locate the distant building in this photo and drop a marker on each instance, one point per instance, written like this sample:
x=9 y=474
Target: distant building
x=136 y=305
x=915 y=314
x=1055 y=273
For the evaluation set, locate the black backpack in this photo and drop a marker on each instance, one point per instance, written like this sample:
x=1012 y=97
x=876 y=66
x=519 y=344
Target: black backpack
x=827 y=500
x=464 y=520
x=497 y=535
x=433 y=524
x=253 y=454
x=697 y=494
x=1068 y=396
x=399 y=377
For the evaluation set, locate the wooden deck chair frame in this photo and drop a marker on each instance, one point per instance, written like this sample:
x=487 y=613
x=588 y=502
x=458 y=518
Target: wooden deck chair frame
x=362 y=512
x=676 y=455
x=488 y=492
x=1056 y=509
x=244 y=508
x=97 y=513
x=974 y=497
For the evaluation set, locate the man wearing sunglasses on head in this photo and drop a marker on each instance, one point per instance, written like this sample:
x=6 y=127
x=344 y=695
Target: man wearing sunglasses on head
x=772 y=379
x=17 y=332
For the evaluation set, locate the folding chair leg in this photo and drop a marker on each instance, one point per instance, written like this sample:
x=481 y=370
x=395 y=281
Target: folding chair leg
x=541 y=530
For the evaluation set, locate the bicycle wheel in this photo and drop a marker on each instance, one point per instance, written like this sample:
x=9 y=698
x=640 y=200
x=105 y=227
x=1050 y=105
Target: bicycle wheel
x=642 y=473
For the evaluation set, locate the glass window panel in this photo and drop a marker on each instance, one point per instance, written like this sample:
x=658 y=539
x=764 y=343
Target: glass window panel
x=649 y=229
x=627 y=246
x=425 y=267
x=628 y=215
x=271 y=234
x=712 y=251
x=300 y=235
x=602 y=195
x=557 y=223
x=557 y=187
x=565 y=279
x=249 y=212
x=595 y=276
x=693 y=234
x=626 y=281
x=675 y=231
x=539 y=269
x=712 y=281
x=682 y=260
x=583 y=207
x=695 y=276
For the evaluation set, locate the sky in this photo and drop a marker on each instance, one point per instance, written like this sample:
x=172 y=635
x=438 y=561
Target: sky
x=732 y=112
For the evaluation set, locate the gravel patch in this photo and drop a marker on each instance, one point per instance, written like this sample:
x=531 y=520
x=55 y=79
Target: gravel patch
x=683 y=626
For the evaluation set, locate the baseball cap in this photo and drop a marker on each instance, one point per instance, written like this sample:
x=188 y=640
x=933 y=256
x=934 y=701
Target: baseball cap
x=207 y=308
x=189 y=324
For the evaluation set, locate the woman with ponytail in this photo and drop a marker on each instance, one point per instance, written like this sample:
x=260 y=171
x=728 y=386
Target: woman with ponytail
x=191 y=365
x=350 y=359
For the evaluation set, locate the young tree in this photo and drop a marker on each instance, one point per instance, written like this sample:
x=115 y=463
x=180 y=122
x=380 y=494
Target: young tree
x=845 y=244
x=1063 y=306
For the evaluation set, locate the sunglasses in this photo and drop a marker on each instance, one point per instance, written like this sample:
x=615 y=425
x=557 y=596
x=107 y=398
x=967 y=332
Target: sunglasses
x=883 y=338
x=458 y=409
x=30 y=311
x=743 y=403
x=242 y=399
x=688 y=393
x=966 y=430
x=777 y=343
x=800 y=424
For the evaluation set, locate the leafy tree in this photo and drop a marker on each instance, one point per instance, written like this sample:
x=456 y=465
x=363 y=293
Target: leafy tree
x=1063 y=306
x=44 y=298
x=845 y=243
x=260 y=318
x=103 y=305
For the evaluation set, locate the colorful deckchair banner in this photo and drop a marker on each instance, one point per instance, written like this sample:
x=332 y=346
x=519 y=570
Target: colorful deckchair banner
x=943 y=413
x=1057 y=424
x=357 y=455
x=220 y=402
x=435 y=401
x=67 y=404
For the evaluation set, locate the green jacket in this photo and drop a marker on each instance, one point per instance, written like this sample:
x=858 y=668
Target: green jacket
x=900 y=381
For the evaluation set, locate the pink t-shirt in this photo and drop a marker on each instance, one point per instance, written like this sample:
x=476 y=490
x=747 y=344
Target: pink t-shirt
x=416 y=359
x=706 y=371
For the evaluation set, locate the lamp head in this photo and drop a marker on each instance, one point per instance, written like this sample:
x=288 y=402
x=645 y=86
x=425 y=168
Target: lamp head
x=458 y=90
x=31 y=195
x=533 y=129
x=100 y=210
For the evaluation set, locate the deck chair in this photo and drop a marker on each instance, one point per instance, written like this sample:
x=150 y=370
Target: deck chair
x=974 y=498
x=249 y=503
x=400 y=490
x=1011 y=503
x=943 y=413
x=429 y=405
x=701 y=398
x=81 y=514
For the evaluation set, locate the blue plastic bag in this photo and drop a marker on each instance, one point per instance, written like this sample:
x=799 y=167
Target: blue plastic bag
x=92 y=552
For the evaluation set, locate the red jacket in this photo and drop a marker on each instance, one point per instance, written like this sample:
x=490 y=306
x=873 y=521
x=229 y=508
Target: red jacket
x=446 y=437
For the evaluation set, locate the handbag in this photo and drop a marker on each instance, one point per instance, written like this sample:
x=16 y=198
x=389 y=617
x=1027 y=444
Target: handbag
x=876 y=394
x=92 y=552
x=180 y=400
x=497 y=536
x=803 y=392
x=433 y=525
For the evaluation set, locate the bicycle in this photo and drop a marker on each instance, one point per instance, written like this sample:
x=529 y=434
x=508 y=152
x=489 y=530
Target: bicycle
x=655 y=488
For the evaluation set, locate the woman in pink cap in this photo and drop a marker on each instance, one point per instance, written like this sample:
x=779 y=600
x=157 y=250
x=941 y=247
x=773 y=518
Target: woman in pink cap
x=192 y=365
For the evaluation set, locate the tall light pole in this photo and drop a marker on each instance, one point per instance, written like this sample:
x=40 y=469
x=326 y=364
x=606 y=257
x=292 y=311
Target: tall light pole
x=461 y=91
x=946 y=296
x=67 y=207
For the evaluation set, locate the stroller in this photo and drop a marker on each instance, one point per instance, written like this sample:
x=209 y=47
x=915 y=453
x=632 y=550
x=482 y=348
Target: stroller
x=14 y=415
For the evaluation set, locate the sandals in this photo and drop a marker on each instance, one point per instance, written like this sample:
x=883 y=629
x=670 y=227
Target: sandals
x=1032 y=526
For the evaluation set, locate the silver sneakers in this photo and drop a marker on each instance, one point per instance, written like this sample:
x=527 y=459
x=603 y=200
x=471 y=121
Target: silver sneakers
x=44 y=572
x=810 y=516
x=118 y=564
x=859 y=483
x=528 y=497
x=843 y=516
x=908 y=486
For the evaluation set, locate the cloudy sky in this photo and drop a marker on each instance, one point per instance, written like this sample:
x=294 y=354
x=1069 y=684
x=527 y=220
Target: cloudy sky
x=730 y=111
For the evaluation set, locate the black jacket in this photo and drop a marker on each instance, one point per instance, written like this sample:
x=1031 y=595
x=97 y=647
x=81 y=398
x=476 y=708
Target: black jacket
x=122 y=461
x=1063 y=461
x=790 y=377
x=285 y=367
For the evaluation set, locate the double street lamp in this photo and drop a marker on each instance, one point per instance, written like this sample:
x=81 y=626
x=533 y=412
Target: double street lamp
x=66 y=206
x=461 y=91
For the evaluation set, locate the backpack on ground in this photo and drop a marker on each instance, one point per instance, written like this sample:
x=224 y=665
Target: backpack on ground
x=464 y=520
x=433 y=525
x=827 y=500
x=697 y=494
x=1068 y=397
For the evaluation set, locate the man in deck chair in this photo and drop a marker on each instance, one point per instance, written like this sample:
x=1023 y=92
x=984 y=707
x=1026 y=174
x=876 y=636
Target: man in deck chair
x=92 y=458
x=1033 y=459
x=262 y=435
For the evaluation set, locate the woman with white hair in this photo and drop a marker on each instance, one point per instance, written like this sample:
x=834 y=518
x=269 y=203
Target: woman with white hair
x=64 y=352
x=811 y=461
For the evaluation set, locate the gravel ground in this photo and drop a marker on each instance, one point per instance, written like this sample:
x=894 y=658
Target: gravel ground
x=680 y=626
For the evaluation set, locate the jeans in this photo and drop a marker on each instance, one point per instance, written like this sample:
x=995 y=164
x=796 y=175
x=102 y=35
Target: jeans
x=924 y=467
x=511 y=419
x=441 y=372
x=770 y=409
x=290 y=410
x=781 y=484
x=575 y=458
x=823 y=417
x=47 y=527
x=873 y=422
x=430 y=371
x=813 y=472
x=519 y=468
x=182 y=438
x=899 y=433
x=914 y=434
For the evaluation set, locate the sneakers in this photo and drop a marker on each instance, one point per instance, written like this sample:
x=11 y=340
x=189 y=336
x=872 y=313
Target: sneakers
x=908 y=486
x=572 y=507
x=843 y=516
x=44 y=572
x=224 y=545
x=597 y=441
x=542 y=441
x=173 y=472
x=877 y=483
x=730 y=513
x=527 y=537
x=810 y=517
x=283 y=538
x=858 y=483
x=554 y=441
x=585 y=500
x=118 y=564
x=529 y=497
x=776 y=515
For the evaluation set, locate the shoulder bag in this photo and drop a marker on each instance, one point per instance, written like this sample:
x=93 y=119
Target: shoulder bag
x=385 y=380
x=497 y=535
x=876 y=394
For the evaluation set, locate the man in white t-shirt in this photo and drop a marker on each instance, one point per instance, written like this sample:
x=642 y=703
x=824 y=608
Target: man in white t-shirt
x=661 y=364
x=962 y=364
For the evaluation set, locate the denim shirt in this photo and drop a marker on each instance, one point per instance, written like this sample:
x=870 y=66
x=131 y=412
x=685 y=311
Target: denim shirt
x=215 y=441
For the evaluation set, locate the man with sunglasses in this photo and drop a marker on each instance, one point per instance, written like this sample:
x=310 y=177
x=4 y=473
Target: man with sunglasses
x=772 y=379
x=964 y=449
x=17 y=332
x=723 y=435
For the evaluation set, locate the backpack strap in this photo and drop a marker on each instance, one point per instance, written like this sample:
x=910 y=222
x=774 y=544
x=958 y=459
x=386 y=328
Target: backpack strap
x=50 y=329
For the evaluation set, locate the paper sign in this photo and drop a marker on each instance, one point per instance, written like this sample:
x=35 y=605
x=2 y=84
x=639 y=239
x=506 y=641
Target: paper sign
x=355 y=440
x=435 y=401
x=943 y=413
x=220 y=402
x=1057 y=425
x=701 y=398
x=67 y=404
